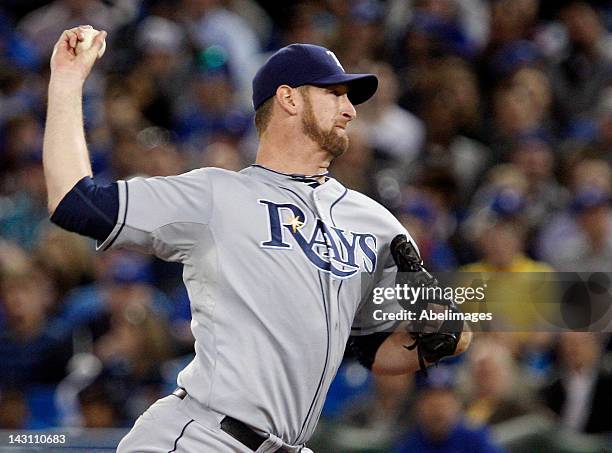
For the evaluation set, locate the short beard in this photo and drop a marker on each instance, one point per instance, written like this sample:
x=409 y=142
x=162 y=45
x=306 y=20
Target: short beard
x=329 y=141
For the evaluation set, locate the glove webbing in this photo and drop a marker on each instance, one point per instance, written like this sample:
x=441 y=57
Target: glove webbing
x=422 y=363
x=408 y=260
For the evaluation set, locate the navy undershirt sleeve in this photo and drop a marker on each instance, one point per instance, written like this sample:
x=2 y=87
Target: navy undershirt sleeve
x=365 y=347
x=89 y=209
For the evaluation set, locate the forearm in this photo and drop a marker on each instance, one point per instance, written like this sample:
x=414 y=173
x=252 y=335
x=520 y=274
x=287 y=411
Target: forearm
x=392 y=358
x=65 y=156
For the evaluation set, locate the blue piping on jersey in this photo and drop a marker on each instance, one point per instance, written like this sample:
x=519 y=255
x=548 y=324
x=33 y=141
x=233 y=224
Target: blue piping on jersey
x=292 y=175
x=181 y=435
x=331 y=216
x=334 y=204
x=308 y=415
x=127 y=197
x=338 y=296
x=327 y=321
x=334 y=224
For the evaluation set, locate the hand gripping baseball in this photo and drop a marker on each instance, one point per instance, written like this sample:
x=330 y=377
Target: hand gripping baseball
x=75 y=53
x=433 y=341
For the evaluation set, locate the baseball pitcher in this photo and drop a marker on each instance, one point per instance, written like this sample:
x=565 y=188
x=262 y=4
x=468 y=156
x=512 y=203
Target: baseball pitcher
x=279 y=258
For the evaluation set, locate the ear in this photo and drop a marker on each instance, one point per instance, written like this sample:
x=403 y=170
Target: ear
x=287 y=99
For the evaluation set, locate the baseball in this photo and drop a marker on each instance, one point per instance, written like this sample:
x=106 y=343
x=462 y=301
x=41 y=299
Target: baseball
x=87 y=42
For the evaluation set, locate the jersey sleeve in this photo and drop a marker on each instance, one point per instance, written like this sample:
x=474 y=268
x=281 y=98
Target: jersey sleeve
x=374 y=317
x=163 y=216
x=369 y=317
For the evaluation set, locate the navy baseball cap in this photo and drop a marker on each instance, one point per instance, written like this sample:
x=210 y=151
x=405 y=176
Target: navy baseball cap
x=588 y=197
x=307 y=64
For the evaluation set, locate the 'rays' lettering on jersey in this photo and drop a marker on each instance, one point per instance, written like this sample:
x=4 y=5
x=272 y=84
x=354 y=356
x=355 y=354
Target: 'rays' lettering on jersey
x=329 y=248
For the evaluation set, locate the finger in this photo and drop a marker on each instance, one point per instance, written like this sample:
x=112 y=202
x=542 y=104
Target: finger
x=72 y=38
x=63 y=41
x=67 y=40
x=80 y=29
x=98 y=41
x=77 y=32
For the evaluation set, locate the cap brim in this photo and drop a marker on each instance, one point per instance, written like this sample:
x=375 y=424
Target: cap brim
x=361 y=87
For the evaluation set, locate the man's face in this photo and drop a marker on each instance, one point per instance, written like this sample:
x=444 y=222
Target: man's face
x=437 y=411
x=327 y=112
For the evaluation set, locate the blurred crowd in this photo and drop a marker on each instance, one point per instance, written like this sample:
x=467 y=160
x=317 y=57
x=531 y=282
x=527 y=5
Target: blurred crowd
x=490 y=138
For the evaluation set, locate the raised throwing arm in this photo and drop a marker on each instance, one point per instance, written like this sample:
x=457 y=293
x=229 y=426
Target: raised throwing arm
x=65 y=156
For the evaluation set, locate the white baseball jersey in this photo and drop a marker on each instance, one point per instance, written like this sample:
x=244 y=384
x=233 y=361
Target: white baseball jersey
x=277 y=272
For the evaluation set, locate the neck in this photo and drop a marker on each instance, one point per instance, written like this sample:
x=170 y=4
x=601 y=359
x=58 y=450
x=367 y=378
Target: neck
x=287 y=153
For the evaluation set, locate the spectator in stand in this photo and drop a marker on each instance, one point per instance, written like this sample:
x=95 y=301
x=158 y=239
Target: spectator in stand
x=309 y=22
x=123 y=319
x=355 y=172
x=537 y=85
x=440 y=188
x=502 y=193
x=122 y=109
x=360 y=37
x=533 y=156
x=223 y=155
x=602 y=142
x=21 y=97
x=161 y=70
x=420 y=217
x=396 y=134
x=52 y=19
x=211 y=111
x=34 y=345
x=498 y=229
x=579 y=238
x=584 y=70
x=493 y=395
x=521 y=107
x=591 y=249
x=441 y=426
x=68 y=260
x=21 y=141
x=23 y=210
x=220 y=32
x=133 y=349
x=381 y=415
x=510 y=21
x=470 y=17
x=119 y=278
x=128 y=153
x=97 y=406
x=582 y=394
x=451 y=116
x=427 y=39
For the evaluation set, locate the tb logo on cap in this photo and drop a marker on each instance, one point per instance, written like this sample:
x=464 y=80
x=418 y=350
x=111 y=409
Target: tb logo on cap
x=335 y=58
